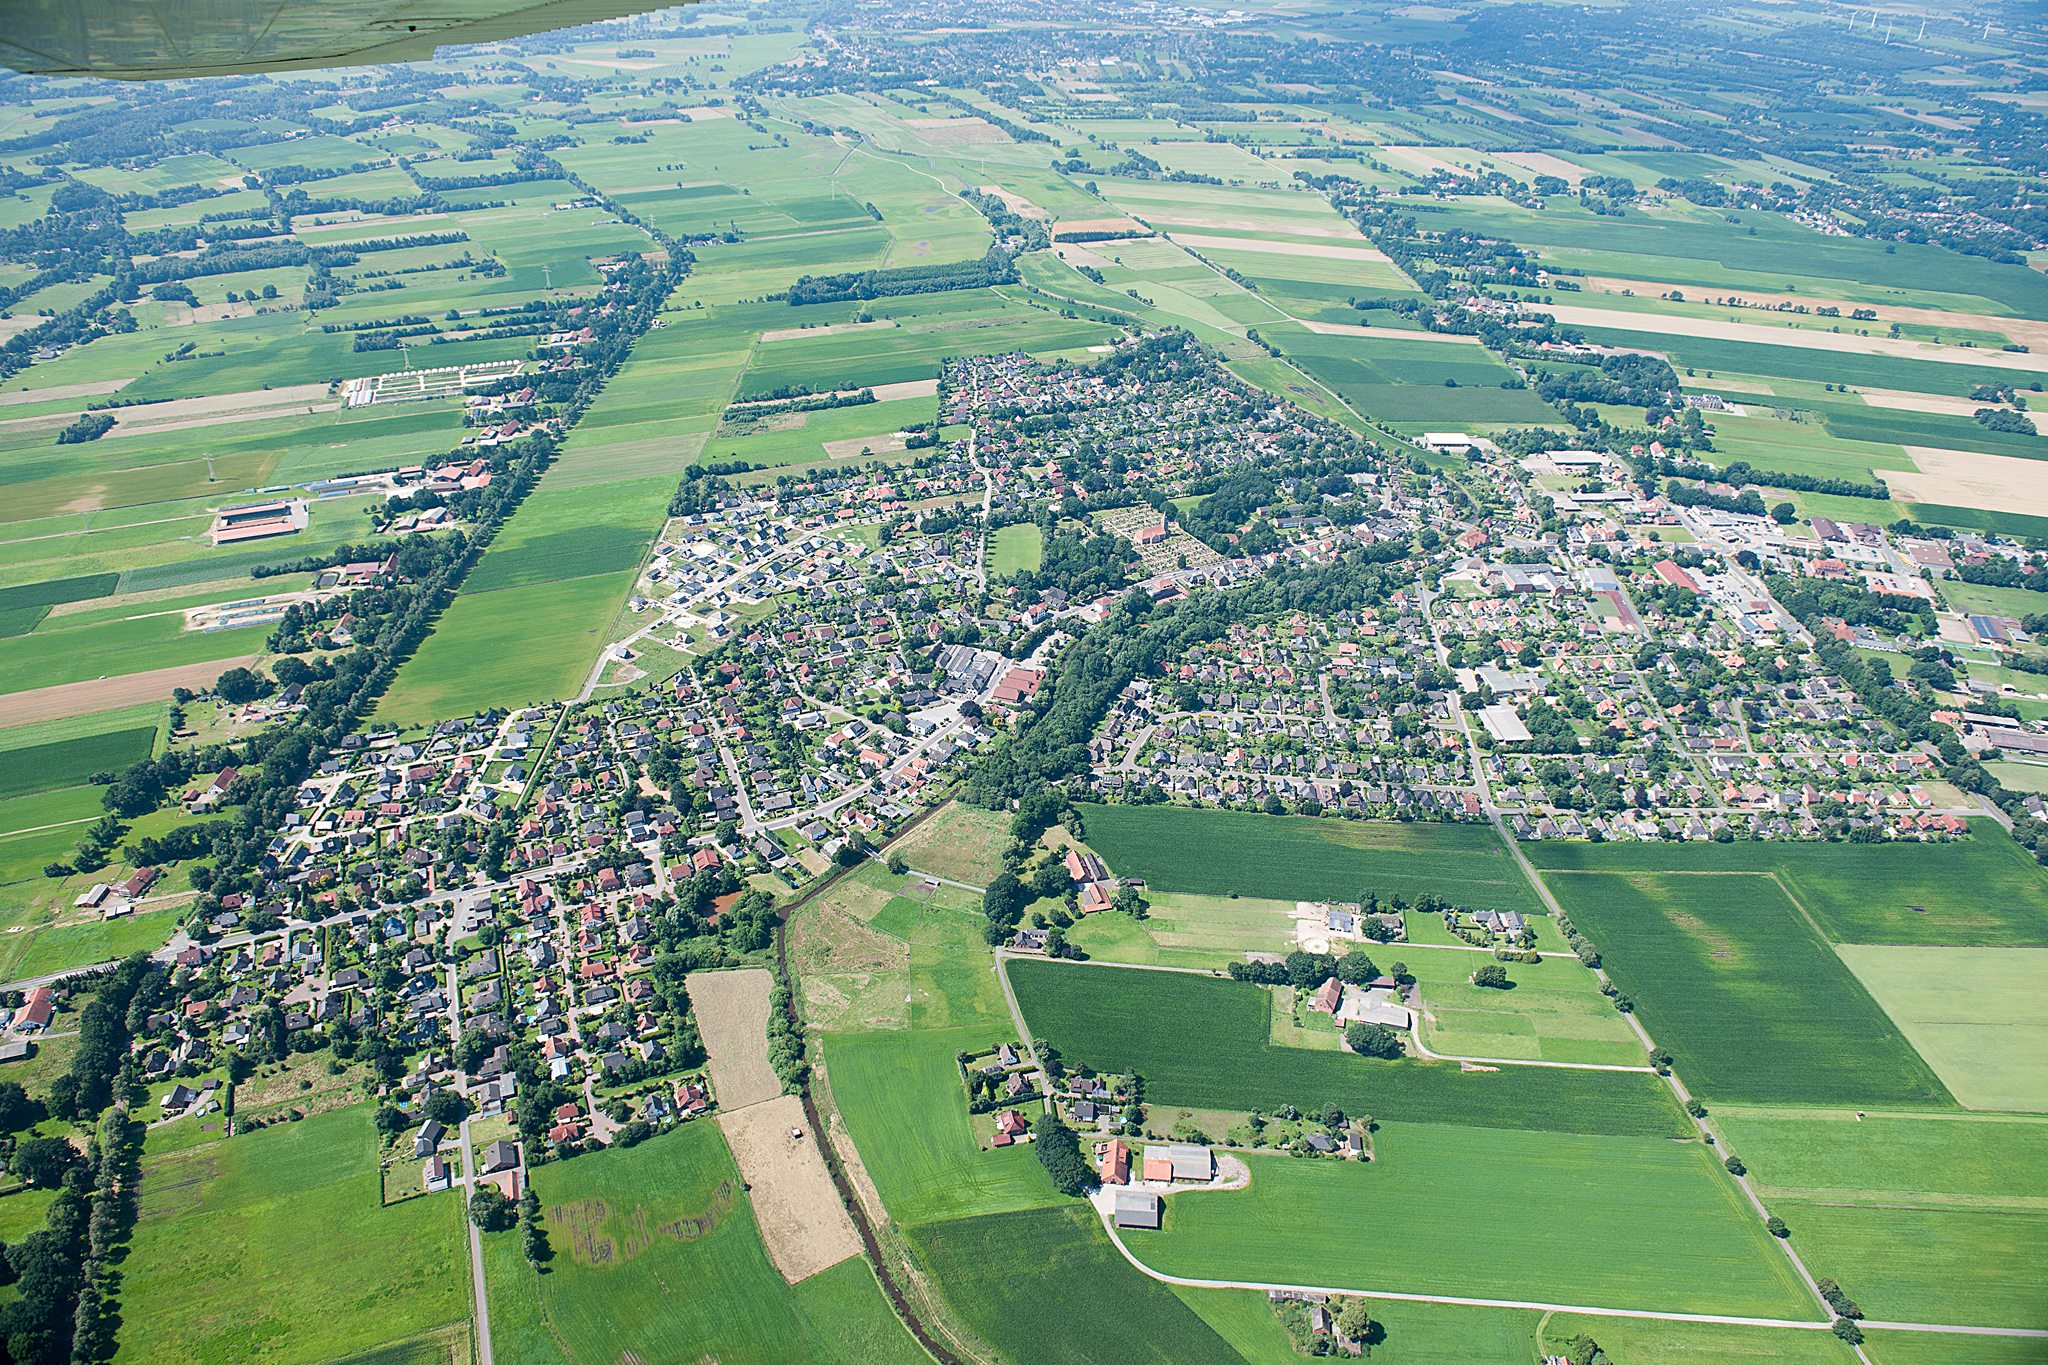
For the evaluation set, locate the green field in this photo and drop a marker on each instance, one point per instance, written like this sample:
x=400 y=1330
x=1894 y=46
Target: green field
x=1653 y=1224
x=1727 y=975
x=1016 y=549
x=999 y=1273
x=238 y=1238
x=1222 y=853
x=69 y=762
x=1553 y=1013
x=1204 y=1043
x=1984 y=890
x=928 y=1169
x=623 y=1230
x=1978 y=1015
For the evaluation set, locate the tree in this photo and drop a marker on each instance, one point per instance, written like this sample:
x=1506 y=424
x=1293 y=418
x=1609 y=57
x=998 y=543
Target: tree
x=1493 y=976
x=239 y=685
x=42 y=1161
x=1776 y=1227
x=1127 y=901
x=1848 y=1331
x=447 y=1107
x=1355 y=968
x=1354 y=1320
x=490 y=1210
x=1784 y=513
x=391 y=1120
x=1373 y=1040
x=17 y=1110
x=1059 y=1151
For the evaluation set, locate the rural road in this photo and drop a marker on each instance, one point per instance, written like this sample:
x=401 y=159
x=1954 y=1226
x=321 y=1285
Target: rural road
x=476 y=1237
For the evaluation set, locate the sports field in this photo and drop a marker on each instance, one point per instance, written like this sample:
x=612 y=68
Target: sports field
x=1728 y=976
x=206 y=1283
x=1654 y=1224
x=1203 y=1042
x=1221 y=853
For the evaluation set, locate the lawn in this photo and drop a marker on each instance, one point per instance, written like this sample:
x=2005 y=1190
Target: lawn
x=637 y=1274
x=1651 y=1224
x=903 y=1103
x=1285 y=857
x=1728 y=976
x=238 y=1238
x=1186 y=930
x=1046 y=1286
x=1203 y=1042
x=1984 y=890
x=1978 y=1015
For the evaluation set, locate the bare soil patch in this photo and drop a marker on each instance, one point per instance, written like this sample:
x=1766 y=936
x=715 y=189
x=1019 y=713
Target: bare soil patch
x=1352 y=329
x=57 y=391
x=105 y=694
x=1543 y=163
x=1130 y=226
x=830 y=329
x=1921 y=402
x=865 y=445
x=1014 y=202
x=2025 y=330
x=732 y=1014
x=1238 y=222
x=804 y=1226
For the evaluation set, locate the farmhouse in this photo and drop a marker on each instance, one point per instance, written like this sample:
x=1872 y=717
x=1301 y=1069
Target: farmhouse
x=1179 y=1162
x=35 y=1012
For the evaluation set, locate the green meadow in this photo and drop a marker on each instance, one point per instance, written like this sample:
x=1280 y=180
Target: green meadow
x=1223 y=853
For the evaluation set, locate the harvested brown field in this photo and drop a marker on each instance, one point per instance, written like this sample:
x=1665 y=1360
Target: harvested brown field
x=1964 y=478
x=830 y=329
x=2028 y=331
x=105 y=694
x=1543 y=163
x=1352 y=329
x=1129 y=227
x=1014 y=202
x=732 y=1014
x=804 y=1226
x=852 y=446
x=53 y=392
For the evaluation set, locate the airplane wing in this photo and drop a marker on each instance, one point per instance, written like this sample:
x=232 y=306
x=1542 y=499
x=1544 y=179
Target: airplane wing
x=174 y=39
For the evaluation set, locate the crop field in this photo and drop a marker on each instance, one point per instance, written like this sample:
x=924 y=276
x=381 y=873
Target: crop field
x=1654 y=1224
x=1203 y=1043
x=1397 y=380
x=203 y=1283
x=628 y=1226
x=69 y=762
x=1976 y=1266
x=1978 y=1015
x=1727 y=975
x=999 y=1271
x=1982 y=891
x=1223 y=853
x=1634 y=1341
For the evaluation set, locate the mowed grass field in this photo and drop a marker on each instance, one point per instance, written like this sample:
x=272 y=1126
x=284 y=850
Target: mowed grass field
x=1651 y=1224
x=1046 y=1286
x=272 y=1248
x=1728 y=976
x=1978 y=1015
x=1553 y=1013
x=656 y=1257
x=1203 y=1043
x=1285 y=857
x=1980 y=891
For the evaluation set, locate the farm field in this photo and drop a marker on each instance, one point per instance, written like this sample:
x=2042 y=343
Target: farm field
x=1671 y=1230
x=1728 y=976
x=625 y=1226
x=202 y=1284
x=1218 y=853
x=998 y=1270
x=959 y=841
x=1203 y=1042
x=1978 y=1015
x=1981 y=891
